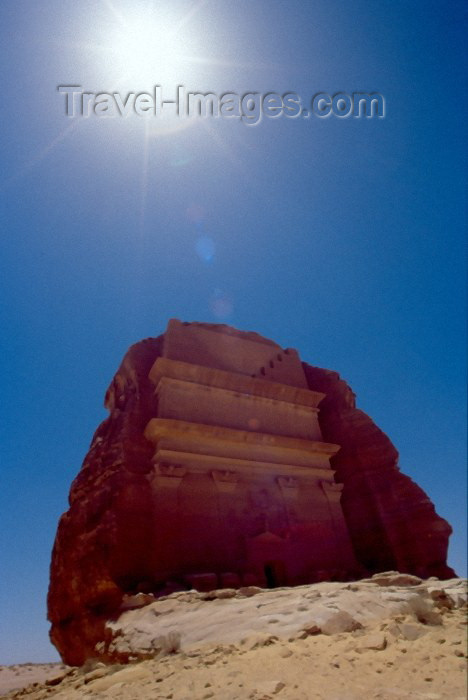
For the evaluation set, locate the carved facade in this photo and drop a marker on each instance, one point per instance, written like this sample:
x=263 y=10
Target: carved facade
x=241 y=477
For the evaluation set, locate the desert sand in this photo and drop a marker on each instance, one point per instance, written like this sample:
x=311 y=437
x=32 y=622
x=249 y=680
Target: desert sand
x=412 y=647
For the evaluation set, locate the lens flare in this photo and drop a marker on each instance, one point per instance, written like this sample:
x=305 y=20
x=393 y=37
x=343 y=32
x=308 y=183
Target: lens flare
x=205 y=248
x=221 y=305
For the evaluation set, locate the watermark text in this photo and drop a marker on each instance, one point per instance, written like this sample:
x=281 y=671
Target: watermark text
x=249 y=107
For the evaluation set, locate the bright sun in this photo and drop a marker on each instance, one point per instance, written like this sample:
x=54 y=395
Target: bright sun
x=148 y=47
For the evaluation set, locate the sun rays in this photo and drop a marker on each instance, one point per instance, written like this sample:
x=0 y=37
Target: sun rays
x=133 y=46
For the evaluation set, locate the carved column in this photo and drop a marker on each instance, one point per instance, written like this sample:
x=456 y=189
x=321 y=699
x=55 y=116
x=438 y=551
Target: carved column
x=344 y=553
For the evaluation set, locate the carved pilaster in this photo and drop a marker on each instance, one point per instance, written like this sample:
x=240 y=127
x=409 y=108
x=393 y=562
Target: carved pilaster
x=167 y=475
x=289 y=487
x=332 y=490
x=226 y=481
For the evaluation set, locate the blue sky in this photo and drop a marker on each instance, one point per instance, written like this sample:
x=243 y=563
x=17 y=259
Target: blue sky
x=340 y=237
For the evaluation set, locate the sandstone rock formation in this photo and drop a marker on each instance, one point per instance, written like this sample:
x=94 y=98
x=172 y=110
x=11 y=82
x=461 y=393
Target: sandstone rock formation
x=216 y=469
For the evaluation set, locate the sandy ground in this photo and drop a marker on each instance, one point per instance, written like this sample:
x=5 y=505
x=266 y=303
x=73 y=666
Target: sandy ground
x=22 y=675
x=396 y=659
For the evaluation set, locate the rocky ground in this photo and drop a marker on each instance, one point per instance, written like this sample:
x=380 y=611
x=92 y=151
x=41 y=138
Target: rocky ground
x=389 y=637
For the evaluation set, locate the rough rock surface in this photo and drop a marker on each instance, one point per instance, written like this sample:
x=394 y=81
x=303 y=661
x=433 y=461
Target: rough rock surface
x=106 y=534
x=105 y=530
x=387 y=637
x=392 y=522
x=191 y=619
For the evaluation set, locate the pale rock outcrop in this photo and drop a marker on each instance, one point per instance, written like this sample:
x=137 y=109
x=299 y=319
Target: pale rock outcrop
x=193 y=620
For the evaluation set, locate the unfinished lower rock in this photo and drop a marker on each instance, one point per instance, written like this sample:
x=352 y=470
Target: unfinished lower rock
x=226 y=462
x=253 y=617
